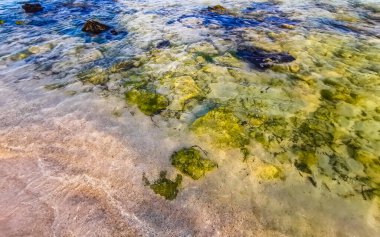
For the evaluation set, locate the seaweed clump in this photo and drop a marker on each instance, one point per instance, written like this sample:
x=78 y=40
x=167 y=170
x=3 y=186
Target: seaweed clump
x=191 y=162
x=164 y=186
x=223 y=127
x=148 y=103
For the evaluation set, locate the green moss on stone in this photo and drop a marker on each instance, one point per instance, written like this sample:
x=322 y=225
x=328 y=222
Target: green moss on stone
x=55 y=86
x=164 y=186
x=148 y=103
x=223 y=127
x=190 y=162
x=96 y=76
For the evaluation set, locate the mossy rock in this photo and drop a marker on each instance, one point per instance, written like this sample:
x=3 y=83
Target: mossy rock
x=148 y=103
x=124 y=66
x=219 y=9
x=2 y=22
x=55 y=86
x=269 y=172
x=306 y=161
x=96 y=76
x=20 y=56
x=164 y=186
x=190 y=162
x=223 y=127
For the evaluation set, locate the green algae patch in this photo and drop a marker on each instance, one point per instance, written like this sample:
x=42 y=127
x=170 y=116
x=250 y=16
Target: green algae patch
x=190 y=161
x=96 y=76
x=148 y=103
x=223 y=128
x=269 y=172
x=2 y=22
x=124 y=66
x=20 y=22
x=164 y=186
x=55 y=86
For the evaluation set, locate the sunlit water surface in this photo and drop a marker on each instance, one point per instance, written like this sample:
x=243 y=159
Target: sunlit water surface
x=296 y=143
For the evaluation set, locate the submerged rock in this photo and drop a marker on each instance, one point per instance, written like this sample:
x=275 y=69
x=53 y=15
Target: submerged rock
x=32 y=7
x=164 y=186
x=114 y=32
x=222 y=127
x=94 y=27
x=263 y=59
x=191 y=162
x=149 y=103
x=96 y=76
x=2 y=22
x=163 y=44
x=218 y=9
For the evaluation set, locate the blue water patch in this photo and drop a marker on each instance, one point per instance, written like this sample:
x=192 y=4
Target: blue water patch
x=226 y=21
x=65 y=18
x=269 y=15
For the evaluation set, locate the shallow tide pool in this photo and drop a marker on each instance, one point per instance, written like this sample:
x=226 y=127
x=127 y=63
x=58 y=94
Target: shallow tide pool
x=190 y=118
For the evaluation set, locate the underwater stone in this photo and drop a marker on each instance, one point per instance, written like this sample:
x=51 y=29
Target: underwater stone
x=148 y=103
x=32 y=7
x=191 y=162
x=164 y=186
x=2 y=22
x=222 y=127
x=262 y=59
x=218 y=9
x=94 y=27
x=123 y=66
x=55 y=86
x=163 y=44
x=269 y=172
x=94 y=76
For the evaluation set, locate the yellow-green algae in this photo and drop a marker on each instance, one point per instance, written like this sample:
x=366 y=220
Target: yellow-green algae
x=222 y=127
x=148 y=103
x=164 y=186
x=190 y=162
x=96 y=76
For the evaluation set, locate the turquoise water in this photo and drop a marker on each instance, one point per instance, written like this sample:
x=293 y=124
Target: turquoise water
x=265 y=116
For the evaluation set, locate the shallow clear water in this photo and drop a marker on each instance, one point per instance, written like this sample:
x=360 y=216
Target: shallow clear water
x=283 y=98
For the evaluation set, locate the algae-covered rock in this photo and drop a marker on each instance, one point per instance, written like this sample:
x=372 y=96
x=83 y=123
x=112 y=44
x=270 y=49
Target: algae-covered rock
x=219 y=9
x=124 y=66
x=269 y=172
x=222 y=127
x=94 y=27
x=20 y=22
x=55 y=86
x=182 y=89
x=148 y=103
x=2 y=22
x=191 y=162
x=164 y=186
x=94 y=76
